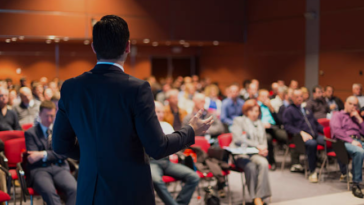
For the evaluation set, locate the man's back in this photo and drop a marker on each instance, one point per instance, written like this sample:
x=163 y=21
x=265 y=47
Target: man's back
x=112 y=115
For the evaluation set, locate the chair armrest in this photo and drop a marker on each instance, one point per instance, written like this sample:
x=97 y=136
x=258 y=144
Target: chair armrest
x=330 y=140
x=5 y=159
x=23 y=184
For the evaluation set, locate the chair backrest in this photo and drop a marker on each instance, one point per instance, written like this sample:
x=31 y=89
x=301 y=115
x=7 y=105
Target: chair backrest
x=324 y=122
x=8 y=135
x=201 y=142
x=13 y=150
x=25 y=127
x=327 y=133
x=225 y=139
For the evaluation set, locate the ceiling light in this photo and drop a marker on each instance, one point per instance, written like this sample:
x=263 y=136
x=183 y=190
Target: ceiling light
x=51 y=37
x=48 y=41
x=86 y=42
x=8 y=40
x=65 y=38
x=155 y=44
x=186 y=45
x=182 y=41
x=18 y=70
x=215 y=43
x=21 y=37
x=13 y=39
x=56 y=40
x=146 y=40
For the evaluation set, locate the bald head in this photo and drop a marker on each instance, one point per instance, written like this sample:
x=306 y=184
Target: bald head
x=351 y=104
x=199 y=100
x=25 y=95
x=159 y=110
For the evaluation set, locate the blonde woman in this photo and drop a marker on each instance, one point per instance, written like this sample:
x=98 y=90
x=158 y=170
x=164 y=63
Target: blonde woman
x=212 y=103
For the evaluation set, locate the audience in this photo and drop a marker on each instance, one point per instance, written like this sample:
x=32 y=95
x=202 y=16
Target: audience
x=348 y=126
x=231 y=106
x=293 y=84
x=13 y=99
x=277 y=101
x=48 y=170
x=185 y=101
x=286 y=102
x=244 y=91
x=38 y=91
x=213 y=103
x=161 y=96
x=252 y=91
x=173 y=114
x=335 y=103
x=255 y=166
x=165 y=167
x=199 y=101
x=271 y=125
x=300 y=122
x=357 y=92
x=8 y=118
x=318 y=104
x=28 y=108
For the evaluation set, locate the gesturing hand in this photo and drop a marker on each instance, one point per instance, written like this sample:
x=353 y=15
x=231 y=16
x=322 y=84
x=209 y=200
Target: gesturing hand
x=200 y=126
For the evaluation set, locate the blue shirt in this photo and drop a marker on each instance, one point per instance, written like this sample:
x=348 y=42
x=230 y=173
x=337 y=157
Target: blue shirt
x=213 y=105
x=266 y=114
x=230 y=110
x=45 y=134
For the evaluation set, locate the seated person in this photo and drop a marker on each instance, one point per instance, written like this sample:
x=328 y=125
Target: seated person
x=348 y=126
x=255 y=166
x=28 y=108
x=216 y=128
x=8 y=118
x=273 y=93
x=335 y=103
x=357 y=90
x=300 y=122
x=173 y=114
x=271 y=125
x=293 y=84
x=178 y=171
x=231 y=106
x=318 y=104
x=48 y=170
x=185 y=100
x=277 y=101
x=252 y=91
x=306 y=96
x=213 y=104
x=286 y=102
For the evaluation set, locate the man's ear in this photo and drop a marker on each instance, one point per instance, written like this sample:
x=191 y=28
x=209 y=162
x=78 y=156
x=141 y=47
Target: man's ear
x=127 y=48
x=93 y=49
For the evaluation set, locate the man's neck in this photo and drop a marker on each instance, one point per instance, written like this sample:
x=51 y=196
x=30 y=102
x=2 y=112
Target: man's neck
x=117 y=61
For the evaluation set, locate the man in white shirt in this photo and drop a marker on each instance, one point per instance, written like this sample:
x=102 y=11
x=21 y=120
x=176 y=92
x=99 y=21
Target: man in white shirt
x=178 y=171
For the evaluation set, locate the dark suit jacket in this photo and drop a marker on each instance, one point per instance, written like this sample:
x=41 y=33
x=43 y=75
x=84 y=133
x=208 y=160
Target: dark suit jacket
x=36 y=141
x=112 y=114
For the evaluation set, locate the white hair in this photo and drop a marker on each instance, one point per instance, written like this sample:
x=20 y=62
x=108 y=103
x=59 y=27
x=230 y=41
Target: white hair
x=356 y=84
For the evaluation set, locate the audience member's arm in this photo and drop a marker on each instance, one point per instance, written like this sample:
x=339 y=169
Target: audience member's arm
x=64 y=138
x=156 y=144
x=217 y=127
x=336 y=128
x=224 y=118
x=288 y=123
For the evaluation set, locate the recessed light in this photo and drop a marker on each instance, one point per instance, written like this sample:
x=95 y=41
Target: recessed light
x=86 y=42
x=215 y=43
x=51 y=37
x=48 y=41
x=18 y=70
x=182 y=41
x=155 y=44
x=21 y=37
x=8 y=40
x=13 y=39
x=186 y=45
x=56 y=40
x=65 y=38
x=146 y=40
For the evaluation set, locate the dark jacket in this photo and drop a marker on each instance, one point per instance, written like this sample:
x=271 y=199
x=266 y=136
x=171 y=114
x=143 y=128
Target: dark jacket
x=113 y=116
x=36 y=141
x=10 y=121
x=319 y=107
x=294 y=121
x=338 y=102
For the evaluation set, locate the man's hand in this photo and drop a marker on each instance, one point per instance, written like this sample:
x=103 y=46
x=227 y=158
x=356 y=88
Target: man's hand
x=305 y=136
x=357 y=116
x=267 y=103
x=35 y=156
x=332 y=107
x=200 y=126
x=356 y=143
x=263 y=151
x=267 y=125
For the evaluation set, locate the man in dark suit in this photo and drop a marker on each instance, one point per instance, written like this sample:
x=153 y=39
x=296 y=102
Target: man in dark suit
x=48 y=170
x=112 y=114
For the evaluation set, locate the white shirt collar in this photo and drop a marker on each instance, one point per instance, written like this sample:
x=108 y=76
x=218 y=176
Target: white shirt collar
x=110 y=63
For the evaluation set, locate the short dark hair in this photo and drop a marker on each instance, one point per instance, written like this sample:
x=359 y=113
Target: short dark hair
x=328 y=86
x=110 y=36
x=316 y=87
x=246 y=83
x=47 y=105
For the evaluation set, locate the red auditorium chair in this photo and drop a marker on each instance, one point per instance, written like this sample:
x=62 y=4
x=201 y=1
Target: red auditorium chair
x=324 y=122
x=25 y=127
x=201 y=142
x=335 y=149
x=4 y=197
x=7 y=135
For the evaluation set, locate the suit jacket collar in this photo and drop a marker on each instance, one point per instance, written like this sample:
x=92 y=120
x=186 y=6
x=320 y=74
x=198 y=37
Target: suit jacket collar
x=105 y=68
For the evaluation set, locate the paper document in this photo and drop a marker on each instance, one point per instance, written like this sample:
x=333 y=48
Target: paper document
x=249 y=150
